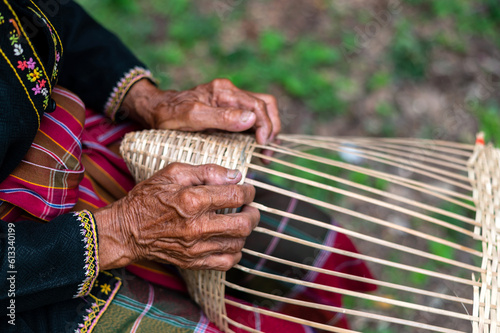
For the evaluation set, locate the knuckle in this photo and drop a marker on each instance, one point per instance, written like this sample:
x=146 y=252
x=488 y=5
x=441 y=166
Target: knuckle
x=245 y=225
x=227 y=265
x=277 y=126
x=226 y=116
x=226 y=262
x=237 y=195
x=190 y=201
x=197 y=106
x=191 y=251
x=250 y=191
x=192 y=112
x=272 y=99
x=260 y=104
x=190 y=116
x=248 y=229
x=175 y=168
x=237 y=245
x=222 y=83
x=210 y=170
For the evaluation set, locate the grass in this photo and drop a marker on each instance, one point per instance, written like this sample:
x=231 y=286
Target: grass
x=315 y=69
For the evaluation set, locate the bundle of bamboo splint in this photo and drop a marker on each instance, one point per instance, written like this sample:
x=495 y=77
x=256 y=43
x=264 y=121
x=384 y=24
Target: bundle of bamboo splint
x=422 y=214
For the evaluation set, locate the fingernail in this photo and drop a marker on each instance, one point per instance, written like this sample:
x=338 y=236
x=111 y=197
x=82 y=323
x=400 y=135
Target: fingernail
x=232 y=174
x=245 y=116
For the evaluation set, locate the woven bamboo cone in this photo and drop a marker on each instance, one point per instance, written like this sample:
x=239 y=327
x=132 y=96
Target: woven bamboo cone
x=440 y=187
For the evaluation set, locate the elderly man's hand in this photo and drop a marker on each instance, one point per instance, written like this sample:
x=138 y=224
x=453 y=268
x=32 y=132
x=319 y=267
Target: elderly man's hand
x=215 y=105
x=172 y=218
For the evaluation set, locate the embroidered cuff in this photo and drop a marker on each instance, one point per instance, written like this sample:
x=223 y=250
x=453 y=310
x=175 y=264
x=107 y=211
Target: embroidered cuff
x=122 y=87
x=90 y=260
x=99 y=299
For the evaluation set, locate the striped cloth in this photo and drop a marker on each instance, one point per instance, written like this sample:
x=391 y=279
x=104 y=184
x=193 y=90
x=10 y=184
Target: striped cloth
x=45 y=183
x=73 y=164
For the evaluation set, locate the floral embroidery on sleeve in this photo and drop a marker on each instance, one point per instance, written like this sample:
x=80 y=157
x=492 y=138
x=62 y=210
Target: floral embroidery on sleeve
x=55 y=38
x=30 y=68
x=90 y=260
x=122 y=87
x=99 y=299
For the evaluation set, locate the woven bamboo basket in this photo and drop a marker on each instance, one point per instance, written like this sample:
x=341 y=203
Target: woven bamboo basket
x=422 y=213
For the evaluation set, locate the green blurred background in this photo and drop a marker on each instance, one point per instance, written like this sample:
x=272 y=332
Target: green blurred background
x=417 y=68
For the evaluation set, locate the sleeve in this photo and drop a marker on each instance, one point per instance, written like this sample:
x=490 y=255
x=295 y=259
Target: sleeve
x=47 y=263
x=17 y=129
x=20 y=111
x=96 y=65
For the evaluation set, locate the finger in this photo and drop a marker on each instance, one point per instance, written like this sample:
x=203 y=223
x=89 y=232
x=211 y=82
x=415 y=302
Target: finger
x=217 y=245
x=269 y=152
x=219 y=262
x=197 y=200
x=224 y=196
x=272 y=111
x=241 y=99
x=216 y=261
x=198 y=116
x=206 y=174
x=253 y=214
x=185 y=249
x=235 y=225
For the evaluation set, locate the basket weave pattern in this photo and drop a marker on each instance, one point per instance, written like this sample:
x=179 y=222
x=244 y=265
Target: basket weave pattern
x=484 y=172
x=149 y=151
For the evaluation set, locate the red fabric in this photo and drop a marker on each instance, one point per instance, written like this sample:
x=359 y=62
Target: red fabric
x=337 y=263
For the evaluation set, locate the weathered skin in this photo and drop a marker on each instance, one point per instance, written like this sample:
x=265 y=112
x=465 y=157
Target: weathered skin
x=215 y=105
x=171 y=217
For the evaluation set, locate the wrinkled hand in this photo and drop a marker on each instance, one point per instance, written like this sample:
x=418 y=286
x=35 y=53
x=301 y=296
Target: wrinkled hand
x=172 y=218
x=215 y=105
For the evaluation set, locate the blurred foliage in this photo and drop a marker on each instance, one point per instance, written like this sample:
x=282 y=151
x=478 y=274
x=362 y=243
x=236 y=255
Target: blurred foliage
x=185 y=46
x=489 y=118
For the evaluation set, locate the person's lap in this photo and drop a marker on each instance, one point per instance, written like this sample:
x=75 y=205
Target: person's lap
x=152 y=296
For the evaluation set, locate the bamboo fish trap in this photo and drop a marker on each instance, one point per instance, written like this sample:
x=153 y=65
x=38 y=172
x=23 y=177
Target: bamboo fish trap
x=422 y=213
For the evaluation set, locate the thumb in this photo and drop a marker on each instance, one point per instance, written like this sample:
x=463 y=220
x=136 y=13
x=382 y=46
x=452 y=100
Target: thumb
x=223 y=118
x=207 y=174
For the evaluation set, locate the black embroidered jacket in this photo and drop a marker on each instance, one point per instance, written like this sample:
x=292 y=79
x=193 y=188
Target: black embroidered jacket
x=44 y=42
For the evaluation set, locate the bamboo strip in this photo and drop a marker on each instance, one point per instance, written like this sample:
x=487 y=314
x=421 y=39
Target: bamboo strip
x=449 y=147
x=427 y=152
x=376 y=240
x=357 y=294
x=243 y=327
x=351 y=212
x=366 y=257
x=381 y=155
x=343 y=310
x=455 y=148
x=413 y=184
x=289 y=318
x=361 y=279
x=465 y=186
x=371 y=190
x=362 y=198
